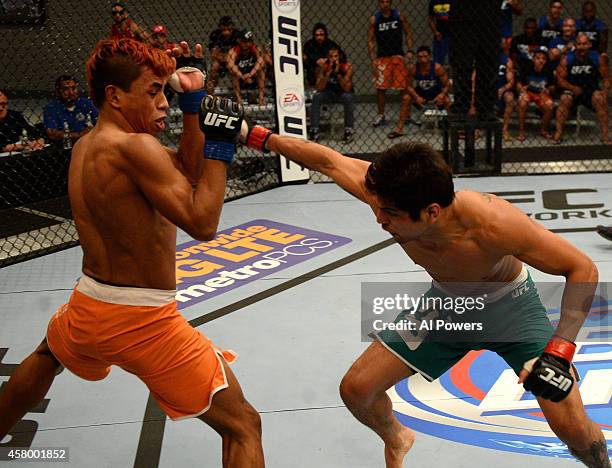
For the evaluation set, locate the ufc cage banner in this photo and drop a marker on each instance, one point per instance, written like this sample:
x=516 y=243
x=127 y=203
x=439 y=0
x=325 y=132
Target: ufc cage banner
x=289 y=80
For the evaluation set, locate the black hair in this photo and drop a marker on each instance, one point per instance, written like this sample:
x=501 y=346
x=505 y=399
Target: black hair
x=226 y=21
x=319 y=26
x=62 y=78
x=424 y=48
x=411 y=176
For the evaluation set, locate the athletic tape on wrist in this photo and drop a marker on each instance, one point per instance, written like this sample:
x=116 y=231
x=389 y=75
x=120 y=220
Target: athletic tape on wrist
x=561 y=348
x=219 y=150
x=190 y=102
x=258 y=138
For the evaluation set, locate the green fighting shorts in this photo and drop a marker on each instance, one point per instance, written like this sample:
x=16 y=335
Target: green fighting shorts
x=514 y=326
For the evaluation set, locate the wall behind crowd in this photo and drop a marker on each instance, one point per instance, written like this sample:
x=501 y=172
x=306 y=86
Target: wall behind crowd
x=34 y=56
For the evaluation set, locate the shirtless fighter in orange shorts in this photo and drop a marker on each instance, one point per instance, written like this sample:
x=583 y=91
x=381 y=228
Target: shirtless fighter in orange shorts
x=128 y=193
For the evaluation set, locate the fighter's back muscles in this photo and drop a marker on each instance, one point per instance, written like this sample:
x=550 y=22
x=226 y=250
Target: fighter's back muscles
x=348 y=173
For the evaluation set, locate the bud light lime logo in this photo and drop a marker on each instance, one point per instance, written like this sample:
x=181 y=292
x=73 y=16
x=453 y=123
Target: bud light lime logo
x=479 y=403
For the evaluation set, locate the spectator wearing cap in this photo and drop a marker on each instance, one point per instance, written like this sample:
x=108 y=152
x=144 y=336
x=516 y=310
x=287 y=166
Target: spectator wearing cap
x=247 y=67
x=315 y=52
x=16 y=134
x=221 y=41
x=123 y=26
x=159 y=38
x=68 y=111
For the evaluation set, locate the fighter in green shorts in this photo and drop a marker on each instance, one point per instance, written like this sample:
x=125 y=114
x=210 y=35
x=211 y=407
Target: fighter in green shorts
x=514 y=325
x=460 y=237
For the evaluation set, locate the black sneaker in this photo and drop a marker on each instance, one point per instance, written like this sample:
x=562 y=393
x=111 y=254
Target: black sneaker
x=605 y=232
x=379 y=120
x=348 y=135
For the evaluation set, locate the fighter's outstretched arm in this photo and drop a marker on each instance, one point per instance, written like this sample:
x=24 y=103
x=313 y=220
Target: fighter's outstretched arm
x=348 y=173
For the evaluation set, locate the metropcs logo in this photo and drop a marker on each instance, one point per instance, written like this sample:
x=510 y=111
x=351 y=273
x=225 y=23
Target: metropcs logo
x=479 y=403
x=243 y=254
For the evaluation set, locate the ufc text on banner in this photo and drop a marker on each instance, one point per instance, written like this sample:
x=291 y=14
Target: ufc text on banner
x=289 y=80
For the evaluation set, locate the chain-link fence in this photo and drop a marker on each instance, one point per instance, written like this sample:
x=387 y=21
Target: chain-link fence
x=352 y=101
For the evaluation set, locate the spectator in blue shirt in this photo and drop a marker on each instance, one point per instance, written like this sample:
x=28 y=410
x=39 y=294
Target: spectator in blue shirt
x=550 y=25
x=594 y=28
x=68 y=107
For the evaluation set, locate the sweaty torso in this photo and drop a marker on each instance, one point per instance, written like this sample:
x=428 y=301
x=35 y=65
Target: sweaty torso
x=124 y=240
x=469 y=256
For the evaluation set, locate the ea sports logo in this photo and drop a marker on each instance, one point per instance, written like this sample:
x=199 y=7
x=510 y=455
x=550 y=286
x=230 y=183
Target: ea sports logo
x=479 y=403
x=291 y=101
x=286 y=6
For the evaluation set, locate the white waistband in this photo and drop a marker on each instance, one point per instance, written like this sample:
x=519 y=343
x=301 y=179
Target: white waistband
x=491 y=296
x=123 y=294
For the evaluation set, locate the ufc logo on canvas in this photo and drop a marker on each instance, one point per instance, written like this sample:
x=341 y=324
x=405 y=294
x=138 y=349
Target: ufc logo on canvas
x=216 y=120
x=561 y=382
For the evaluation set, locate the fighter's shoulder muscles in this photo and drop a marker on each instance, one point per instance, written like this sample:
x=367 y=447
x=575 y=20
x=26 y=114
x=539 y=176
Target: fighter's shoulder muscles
x=154 y=169
x=505 y=229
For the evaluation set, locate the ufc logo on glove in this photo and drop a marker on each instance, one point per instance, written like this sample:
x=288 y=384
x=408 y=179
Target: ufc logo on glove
x=560 y=381
x=216 y=120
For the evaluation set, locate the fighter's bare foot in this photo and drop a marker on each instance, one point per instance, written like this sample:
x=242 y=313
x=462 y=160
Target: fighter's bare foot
x=606 y=141
x=394 y=454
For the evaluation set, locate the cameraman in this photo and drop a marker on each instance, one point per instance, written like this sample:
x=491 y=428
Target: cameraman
x=334 y=84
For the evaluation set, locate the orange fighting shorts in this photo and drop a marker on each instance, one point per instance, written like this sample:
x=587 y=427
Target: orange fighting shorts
x=141 y=331
x=540 y=99
x=390 y=72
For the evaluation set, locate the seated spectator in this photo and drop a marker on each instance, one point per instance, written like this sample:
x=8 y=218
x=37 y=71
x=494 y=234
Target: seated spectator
x=563 y=44
x=334 y=84
x=124 y=27
x=68 y=112
x=438 y=23
x=159 y=38
x=247 y=68
x=16 y=134
x=584 y=78
x=550 y=25
x=509 y=8
x=315 y=52
x=594 y=28
x=427 y=83
x=506 y=92
x=536 y=85
x=524 y=45
x=221 y=41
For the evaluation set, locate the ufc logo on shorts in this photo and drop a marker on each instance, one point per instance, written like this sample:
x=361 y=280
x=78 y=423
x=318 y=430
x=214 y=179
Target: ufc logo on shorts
x=560 y=381
x=216 y=120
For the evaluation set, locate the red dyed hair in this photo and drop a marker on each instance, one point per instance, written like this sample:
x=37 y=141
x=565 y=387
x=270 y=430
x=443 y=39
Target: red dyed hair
x=120 y=62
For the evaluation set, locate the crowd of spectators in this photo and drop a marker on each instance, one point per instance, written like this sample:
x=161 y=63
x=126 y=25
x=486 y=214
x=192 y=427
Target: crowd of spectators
x=553 y=65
